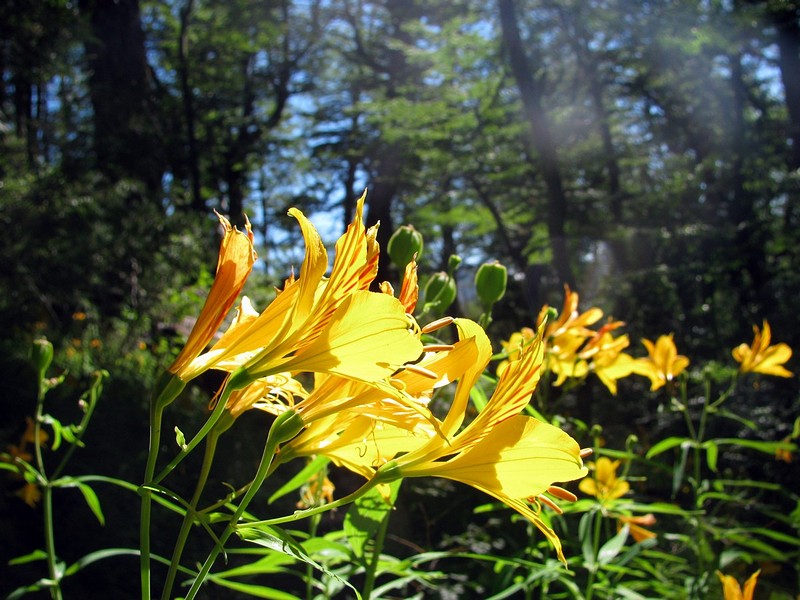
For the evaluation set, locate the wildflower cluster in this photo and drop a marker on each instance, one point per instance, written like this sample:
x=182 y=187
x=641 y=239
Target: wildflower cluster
x=373 y=379
x=574 y=350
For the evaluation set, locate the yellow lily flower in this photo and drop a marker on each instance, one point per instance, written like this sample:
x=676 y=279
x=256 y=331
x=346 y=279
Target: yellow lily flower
x=569 y=319
x=605 y=485
x=235 y=261
x=334 y=325
x=663 y=363
x=732 y=590
x=760 y=357
x=512 y=457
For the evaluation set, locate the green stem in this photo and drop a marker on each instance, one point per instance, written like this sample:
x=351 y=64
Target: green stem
x=596 y=549
x=219 y=410
x=372 y=568
x=47 y=494
x=156 y=414
x=49 y=542
x=191 y=513
x=284 y=428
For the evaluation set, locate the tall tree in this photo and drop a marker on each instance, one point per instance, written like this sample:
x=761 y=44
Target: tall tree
x=127 y=127
x=540 y=139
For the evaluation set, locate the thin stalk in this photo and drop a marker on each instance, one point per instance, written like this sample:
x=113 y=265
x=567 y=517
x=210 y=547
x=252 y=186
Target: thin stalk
x=49 y=542
x=156 y=415
x=598 y=522
x=372 y=567
x=191 y=513
x=47 y=494
x=275 y=437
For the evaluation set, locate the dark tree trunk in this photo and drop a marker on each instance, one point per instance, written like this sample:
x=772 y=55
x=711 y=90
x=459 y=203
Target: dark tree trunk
x=541 y=139
x=125 y=126
x=787 y=28
x=192 y=155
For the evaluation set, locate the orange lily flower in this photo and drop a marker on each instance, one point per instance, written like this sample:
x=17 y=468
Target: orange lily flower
x=236 y=258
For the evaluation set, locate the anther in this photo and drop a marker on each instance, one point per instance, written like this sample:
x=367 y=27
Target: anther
x=545 y=500
x=585 y=452
x=438 y=348
x=421 y=371
x=437 y=324
x=560 y=492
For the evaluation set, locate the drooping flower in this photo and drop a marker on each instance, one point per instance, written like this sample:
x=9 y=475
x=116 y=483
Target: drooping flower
x=235 y=261
x=323 y=325
x=604 y=484
x=662 y=364
x=733 y=591
x=507 y=455
x=760 y=357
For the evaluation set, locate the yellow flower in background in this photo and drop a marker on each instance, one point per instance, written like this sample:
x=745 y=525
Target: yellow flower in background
x=570 y=319
x=235 y=261
x=636 y=526
x=605 y=485
x=316 y=324
x=731 y=589
x=513 y=346
x=608 y=361
x=760 y=357
x=663 y=363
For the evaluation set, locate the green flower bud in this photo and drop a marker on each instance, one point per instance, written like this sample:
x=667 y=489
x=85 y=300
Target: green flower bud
x=440 y=292
x=42 y=355
x=404 y=243
x=490 y=283
x=453 y=263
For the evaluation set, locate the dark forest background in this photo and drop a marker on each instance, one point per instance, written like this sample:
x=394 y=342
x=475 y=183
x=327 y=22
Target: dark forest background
x=645 y=153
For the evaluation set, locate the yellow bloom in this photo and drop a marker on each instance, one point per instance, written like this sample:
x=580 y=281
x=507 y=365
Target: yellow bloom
x=506 y=455
x=605 y=485
x=760 y=357
x=732 y=590
x=332 y=325
x=514 y=344
x=663 y=362
x=569 y=319
x=236 y=258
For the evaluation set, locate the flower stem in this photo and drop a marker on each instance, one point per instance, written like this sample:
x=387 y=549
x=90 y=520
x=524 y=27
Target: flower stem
x=284 y=428
x=191 y=513
x=156 y=414
x=372 y=567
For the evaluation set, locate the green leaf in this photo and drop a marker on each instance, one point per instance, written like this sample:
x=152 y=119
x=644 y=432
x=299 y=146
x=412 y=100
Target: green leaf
x=88 y=494
x=612 y=547
x=279 y=540
x=304 y=476
x=257 y=591
x=93 y=557
x=365 y=516
x=765 y=447
x=680 y=468
x=712 y=452
x=26 y=558
x=665 y=445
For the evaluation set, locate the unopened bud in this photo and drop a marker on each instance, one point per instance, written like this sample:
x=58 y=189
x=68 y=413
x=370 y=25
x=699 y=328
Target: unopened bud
x=490 y=283
x=440 y=292
x=403 y=245
x=42 y=355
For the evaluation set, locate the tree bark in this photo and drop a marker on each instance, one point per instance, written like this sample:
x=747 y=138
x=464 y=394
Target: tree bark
x=192 y=155
x=125 y=125
x=540 y=139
